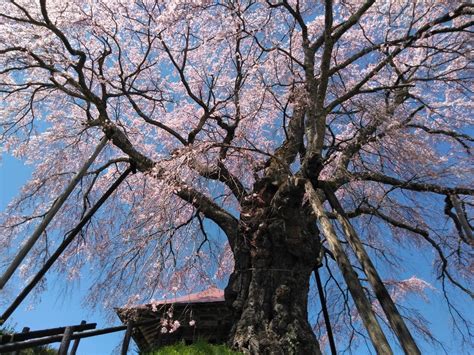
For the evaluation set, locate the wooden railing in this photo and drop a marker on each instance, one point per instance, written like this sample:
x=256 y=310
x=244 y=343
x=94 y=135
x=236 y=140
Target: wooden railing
x=29 y=339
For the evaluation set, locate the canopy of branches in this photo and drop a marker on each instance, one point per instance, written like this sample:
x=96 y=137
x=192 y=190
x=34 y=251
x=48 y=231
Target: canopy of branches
x=372 y=99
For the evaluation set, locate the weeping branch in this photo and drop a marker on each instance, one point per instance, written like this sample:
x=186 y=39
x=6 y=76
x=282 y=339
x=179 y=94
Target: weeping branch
x=72 y=234
x=50 y=215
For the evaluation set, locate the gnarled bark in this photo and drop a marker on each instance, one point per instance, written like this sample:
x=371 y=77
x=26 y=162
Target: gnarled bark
x=274 y=255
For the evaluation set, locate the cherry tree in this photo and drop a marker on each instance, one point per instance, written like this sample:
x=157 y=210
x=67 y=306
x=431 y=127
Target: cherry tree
x=269 y=140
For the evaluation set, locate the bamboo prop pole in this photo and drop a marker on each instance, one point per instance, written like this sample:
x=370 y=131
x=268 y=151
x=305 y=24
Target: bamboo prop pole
x=394 y=318
x=462 y=219
x=49 y=216
x=324 y=307
x=63 y=246
x=379 y=341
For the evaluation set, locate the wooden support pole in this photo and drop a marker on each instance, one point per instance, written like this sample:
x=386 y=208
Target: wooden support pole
x=379 y=341
x=63 y=246
x=394 y=318
x=75 y=345
x=462 y=219
x=24 y=331
x=324 y=308
x=63 y=348
x=126 y=338
x=49 y=216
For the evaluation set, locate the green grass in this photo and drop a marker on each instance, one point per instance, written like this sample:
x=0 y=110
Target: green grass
x=198 y=348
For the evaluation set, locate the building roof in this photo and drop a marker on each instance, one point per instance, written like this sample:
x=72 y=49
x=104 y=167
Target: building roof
x=212 y=294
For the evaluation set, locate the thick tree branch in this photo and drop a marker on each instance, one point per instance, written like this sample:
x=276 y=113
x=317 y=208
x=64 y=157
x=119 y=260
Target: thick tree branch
x=222 y=174
x=211 y=210
x=285 y=155
x=144 y=164
x=410 y=184
x=459 y=137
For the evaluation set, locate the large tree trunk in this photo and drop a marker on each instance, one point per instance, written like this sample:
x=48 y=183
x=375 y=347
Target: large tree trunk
x=274 y=257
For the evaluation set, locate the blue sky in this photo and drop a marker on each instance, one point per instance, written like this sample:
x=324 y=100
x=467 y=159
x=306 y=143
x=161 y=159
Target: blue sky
x=57 y=307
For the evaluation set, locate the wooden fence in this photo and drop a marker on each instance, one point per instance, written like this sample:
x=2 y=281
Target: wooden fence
x=13 y=343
